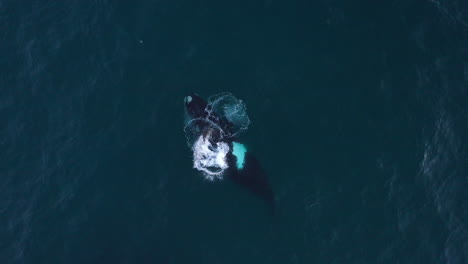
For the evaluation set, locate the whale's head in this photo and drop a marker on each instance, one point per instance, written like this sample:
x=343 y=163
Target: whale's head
x=195 y=106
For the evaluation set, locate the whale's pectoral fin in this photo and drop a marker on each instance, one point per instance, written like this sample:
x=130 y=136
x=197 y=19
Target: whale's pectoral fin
x=253 y=178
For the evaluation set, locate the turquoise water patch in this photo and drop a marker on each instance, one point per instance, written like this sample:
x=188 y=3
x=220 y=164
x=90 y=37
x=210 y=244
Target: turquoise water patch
x=239 y=151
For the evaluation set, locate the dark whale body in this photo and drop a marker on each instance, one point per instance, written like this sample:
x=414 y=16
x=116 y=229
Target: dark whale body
x=251 y=177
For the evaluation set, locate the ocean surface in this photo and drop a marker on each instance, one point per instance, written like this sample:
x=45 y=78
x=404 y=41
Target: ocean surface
x=359 y=116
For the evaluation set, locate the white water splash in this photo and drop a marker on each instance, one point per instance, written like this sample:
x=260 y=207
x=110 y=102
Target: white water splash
x=209 y=158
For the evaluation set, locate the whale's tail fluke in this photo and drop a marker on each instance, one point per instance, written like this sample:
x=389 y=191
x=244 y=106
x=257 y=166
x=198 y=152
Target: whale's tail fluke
x=253 y=178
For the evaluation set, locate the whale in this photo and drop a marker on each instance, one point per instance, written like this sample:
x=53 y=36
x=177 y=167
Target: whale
x=237 y=163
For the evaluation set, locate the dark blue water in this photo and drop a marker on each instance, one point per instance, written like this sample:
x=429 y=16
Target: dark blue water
x=359 y=116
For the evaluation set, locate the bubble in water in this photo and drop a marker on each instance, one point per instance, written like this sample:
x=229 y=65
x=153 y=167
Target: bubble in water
x=233 y=110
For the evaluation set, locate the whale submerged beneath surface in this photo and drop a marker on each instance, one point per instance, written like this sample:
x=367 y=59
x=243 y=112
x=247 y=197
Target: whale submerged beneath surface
x=212 y=129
